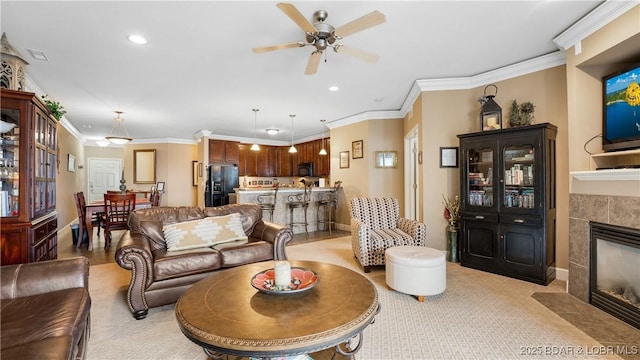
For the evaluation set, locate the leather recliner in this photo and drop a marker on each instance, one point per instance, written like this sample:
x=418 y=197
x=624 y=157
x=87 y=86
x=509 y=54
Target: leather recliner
x=159 y=276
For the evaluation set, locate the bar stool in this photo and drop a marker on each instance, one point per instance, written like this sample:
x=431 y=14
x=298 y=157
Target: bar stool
x=299 y=201
x=327 y=204
x=268 y=202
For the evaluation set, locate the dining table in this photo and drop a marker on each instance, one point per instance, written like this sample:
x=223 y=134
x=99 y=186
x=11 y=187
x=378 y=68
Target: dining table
x=98 y=206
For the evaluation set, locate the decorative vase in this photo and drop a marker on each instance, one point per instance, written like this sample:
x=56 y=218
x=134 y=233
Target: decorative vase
x=452 y=242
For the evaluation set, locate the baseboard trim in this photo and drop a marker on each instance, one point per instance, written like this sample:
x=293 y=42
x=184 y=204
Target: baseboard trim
x=562 y=274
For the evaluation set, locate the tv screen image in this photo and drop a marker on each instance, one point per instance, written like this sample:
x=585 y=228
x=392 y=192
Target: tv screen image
x=621 y=122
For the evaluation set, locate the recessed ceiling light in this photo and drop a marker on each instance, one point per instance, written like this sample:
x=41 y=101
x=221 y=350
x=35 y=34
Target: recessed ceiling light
x=272 y=131
x=378 y=99
x=334 y=88
x=137 y=39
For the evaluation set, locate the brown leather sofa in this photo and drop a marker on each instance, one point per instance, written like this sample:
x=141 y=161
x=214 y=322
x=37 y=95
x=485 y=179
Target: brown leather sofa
x=159 y=276
x=45 y=309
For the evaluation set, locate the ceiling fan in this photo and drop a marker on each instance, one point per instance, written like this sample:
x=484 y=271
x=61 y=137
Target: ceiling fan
x=322 y=35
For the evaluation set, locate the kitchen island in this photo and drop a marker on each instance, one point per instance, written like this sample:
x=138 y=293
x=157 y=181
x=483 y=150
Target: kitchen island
x=281 y=213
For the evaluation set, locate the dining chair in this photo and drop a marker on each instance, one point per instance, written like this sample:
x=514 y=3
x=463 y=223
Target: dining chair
x=96 y=219
x=155 y=197
x=117 y=208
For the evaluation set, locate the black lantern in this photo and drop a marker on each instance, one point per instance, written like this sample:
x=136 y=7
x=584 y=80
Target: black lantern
x=491 y=113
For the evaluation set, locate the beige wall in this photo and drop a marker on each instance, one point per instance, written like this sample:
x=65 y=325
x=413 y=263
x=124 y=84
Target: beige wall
x=173 y=166
x=362 y=178
x=446 y=114
x=67 y=183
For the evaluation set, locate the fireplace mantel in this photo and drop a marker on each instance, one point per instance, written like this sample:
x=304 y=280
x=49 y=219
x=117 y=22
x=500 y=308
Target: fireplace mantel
x=617 y=182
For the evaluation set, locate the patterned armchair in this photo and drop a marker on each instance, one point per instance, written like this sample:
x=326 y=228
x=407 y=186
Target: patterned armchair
x=376 y=225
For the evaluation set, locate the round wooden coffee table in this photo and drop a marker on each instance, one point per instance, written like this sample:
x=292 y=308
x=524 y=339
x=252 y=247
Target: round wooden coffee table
x=225 y=314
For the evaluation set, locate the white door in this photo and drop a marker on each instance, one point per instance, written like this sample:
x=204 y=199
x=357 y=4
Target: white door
x=104 y=174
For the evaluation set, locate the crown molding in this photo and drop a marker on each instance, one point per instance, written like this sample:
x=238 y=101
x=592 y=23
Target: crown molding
x=592 y=22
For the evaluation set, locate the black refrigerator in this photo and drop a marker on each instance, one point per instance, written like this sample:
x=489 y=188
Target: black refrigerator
x=221 y=179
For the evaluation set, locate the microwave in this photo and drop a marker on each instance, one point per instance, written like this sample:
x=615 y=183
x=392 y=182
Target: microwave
x=305 y=169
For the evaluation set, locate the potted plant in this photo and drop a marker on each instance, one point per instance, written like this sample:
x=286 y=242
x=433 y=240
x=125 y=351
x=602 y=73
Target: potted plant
x=521 y=115
x=452 y=215
x=54 y=107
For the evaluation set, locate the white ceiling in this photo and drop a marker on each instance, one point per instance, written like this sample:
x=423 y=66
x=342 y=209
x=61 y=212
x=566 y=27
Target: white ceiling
x=198 y=71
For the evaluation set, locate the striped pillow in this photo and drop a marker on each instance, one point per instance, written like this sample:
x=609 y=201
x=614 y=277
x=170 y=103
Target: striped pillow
x=204 y=232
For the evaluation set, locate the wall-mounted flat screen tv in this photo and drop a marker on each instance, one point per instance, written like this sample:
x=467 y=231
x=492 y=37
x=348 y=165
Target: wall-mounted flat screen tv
x=621 y=117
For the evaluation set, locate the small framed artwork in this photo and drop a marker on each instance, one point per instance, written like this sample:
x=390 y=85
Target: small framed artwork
x=356 y=149
x=71 y=163
x=386 y=159
x=448 y=157
x=194 y=172
x=160 y=186
x=344 y=160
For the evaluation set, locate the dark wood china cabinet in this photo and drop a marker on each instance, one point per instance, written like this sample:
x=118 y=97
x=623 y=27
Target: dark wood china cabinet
x=508 y=202
x=28 y=165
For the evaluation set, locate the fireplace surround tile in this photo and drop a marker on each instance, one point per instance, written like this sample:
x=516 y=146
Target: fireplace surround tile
x=625 y=211
x=579 y=244
x=589 y=207
x=579 y=281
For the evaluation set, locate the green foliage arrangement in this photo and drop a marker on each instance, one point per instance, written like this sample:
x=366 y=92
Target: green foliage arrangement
x=54 y=107
x=521 y=115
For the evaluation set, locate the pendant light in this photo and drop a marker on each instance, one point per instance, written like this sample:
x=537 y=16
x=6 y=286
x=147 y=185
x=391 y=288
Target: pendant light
x=119 y=134
x=255 y=146
x=323 y=151
x=292 y=149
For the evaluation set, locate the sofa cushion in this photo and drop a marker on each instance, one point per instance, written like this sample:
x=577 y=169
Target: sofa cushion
x=169 y=265
x=203 y=232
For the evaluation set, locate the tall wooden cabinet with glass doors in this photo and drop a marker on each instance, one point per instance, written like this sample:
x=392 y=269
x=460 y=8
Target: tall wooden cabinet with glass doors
x=508 y=202
x=28 y=163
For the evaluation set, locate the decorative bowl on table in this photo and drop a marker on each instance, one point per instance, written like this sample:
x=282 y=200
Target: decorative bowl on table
x=302 y=280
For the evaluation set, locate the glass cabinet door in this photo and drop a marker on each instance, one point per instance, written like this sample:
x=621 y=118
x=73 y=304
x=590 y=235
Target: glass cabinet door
x=480 y=177
x=9 y=163
x=519 y=177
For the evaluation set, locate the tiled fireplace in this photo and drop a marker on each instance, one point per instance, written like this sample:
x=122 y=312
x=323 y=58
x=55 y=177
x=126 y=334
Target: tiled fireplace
x=605 y=198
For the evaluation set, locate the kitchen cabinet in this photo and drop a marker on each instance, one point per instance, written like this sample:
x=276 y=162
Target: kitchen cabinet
x=28 y=164
x=321 y=162
x=266 y=161
x=247 y=161
x=283 y=161
x=221 y=151
x=508 y=202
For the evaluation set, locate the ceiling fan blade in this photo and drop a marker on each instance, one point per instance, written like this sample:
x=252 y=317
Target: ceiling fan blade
x=314 y=61
x=278 y=47
x=371 y=19
x=368 y=57
x=292 y=12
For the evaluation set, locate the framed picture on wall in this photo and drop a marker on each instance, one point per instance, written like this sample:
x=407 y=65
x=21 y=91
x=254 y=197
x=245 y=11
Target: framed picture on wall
x=344 y=159
x=71 y=163
x=448 y=157
x=356 y=148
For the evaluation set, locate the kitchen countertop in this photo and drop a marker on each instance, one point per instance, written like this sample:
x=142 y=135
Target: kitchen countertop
x=282 y=189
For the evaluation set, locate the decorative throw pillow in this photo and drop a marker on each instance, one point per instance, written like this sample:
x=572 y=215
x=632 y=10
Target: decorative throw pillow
x=204 y=232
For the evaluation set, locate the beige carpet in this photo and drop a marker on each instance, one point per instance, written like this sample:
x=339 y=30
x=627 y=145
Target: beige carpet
x=479 y=316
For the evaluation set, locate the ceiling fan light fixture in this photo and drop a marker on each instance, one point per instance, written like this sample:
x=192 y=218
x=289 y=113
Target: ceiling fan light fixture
x=255 y=146
x=272 y=131
x=119 y=134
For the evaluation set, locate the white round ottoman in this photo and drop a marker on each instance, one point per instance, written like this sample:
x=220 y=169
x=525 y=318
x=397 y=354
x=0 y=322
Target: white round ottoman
x=416 y=270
